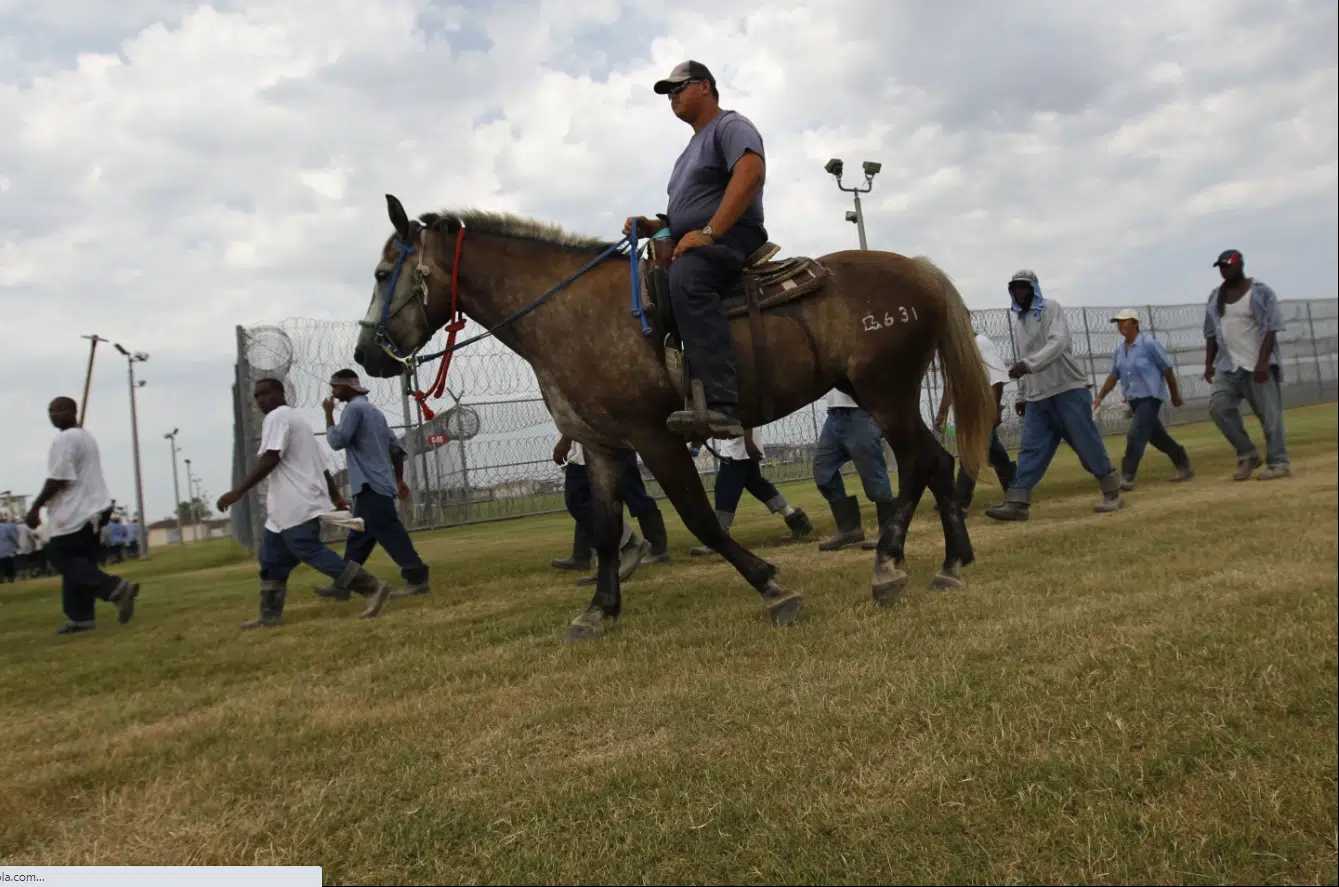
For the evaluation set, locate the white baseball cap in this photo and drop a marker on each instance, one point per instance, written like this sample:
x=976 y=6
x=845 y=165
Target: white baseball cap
x=1126 y=314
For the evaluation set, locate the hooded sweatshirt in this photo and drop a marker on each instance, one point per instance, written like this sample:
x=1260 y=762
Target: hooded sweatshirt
x=1043 y=340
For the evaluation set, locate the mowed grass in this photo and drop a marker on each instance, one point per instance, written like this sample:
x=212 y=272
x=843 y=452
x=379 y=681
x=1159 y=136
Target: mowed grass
x=1148 y=696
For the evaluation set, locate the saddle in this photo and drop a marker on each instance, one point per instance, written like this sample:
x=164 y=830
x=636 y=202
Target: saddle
x=762 y=285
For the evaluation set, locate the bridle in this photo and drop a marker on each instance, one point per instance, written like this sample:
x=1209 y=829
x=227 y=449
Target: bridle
x=417 y=294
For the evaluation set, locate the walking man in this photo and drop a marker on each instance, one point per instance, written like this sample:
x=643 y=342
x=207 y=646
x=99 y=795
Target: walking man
x=633 y=549
x=1148 y=381
x=1053 y=402
x=1005 y=468
x=740 y=470
x=1241 y=361
x=851 y=435
x=300 y=490
x=715 y=218
x=376 y=475
x=75 y=496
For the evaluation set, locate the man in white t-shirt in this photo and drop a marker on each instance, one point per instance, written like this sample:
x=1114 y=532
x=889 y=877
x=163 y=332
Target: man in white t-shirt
x=997 y=455
x=300 y=490
x=741 y=469
x=850 y=434
x=77 y=504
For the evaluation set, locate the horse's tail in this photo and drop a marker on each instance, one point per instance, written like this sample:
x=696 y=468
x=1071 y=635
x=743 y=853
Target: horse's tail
x=967 y=383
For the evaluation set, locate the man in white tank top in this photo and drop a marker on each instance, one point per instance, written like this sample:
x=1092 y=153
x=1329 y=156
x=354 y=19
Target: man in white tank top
x=1241 y=361
x=851 y=435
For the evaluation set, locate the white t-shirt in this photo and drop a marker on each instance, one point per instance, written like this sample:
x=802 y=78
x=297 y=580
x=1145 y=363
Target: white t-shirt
x=575 y=455
x=996 y=371
x=837 y=398
x=74 y=458
x=297 y=488
x=1241 y=333
x=735 y=448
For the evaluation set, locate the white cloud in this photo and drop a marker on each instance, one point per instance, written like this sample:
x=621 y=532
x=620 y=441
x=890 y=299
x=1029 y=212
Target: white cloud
x=170 y=170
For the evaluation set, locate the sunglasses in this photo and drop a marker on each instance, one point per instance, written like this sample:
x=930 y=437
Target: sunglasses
x=681 y=87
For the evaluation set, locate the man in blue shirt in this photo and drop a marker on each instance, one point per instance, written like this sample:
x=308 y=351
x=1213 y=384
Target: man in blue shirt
x=1148 y=381
x=376 y=475
x=715 y=218
x=1241 y=361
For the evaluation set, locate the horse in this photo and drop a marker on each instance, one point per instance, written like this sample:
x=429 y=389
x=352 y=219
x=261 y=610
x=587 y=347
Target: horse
x=870 y=332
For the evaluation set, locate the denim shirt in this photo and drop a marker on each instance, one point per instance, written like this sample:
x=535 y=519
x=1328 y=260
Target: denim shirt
x=1268 y=314
x=1140 y=368
x=364 y=432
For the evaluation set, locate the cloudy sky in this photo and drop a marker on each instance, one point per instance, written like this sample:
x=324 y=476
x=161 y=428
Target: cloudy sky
x=170 y=170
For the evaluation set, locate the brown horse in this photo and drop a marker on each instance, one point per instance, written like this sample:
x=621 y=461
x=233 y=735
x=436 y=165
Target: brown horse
x=871 y=333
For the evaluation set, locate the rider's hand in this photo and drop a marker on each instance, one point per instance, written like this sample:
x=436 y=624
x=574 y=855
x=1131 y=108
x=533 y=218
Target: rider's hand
x=645 y=227
x=691 y=240
x=560 y=451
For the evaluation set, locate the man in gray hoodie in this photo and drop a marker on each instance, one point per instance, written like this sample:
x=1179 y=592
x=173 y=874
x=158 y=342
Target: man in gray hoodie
x=1053 y=401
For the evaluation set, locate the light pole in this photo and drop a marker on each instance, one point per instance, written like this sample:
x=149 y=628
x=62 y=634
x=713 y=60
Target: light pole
x=133 y=358
x=834 y=168
x=176 y=490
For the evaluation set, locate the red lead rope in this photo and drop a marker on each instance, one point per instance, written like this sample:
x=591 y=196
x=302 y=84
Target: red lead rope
x=457 y=323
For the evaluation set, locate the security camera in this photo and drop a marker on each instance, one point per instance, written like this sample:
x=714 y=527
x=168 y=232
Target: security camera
x=834 y=167
x=850 y=216
x=872 y=168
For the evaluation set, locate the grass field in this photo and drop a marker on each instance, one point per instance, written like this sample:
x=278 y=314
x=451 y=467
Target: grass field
x=1146 y=696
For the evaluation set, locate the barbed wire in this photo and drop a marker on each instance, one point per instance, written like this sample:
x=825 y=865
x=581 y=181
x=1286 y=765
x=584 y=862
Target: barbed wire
x=506 y=469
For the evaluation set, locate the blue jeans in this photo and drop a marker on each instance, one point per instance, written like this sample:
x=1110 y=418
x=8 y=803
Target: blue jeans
x=1146 y=428
x=737 y=475
x=1067 y=417
x=1266 y=399
x=851 y=435
x=280 y=553
x=577 y=494
x=75 y=556
x=382 y=524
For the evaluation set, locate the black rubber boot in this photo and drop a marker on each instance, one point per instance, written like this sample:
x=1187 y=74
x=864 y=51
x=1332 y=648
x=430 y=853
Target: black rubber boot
x=272 y=596
x=799 y=524
x=846 y=512
x=653 y=531
x=1014 y=508
x=581 y=552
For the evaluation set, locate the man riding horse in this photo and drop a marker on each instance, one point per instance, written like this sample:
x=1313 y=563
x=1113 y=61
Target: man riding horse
x=715 y=218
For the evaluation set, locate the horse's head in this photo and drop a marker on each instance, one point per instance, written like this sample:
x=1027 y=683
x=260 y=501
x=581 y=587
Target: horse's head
x=412 y=296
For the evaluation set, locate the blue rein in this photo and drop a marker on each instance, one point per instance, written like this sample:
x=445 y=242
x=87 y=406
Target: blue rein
x=636 y=296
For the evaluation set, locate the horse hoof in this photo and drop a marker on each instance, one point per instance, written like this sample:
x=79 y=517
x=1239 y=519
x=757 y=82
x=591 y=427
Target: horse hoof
x=783 y=606
x=589 y=626
x=889 y=583
x=947 y=582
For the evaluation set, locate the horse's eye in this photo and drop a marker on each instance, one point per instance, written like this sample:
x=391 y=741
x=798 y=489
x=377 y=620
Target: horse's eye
x=382 y=275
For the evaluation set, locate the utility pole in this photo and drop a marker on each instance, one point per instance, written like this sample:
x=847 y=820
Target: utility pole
x=176 y=490
x=834 y=168
x=133 y=358
x=88 y=376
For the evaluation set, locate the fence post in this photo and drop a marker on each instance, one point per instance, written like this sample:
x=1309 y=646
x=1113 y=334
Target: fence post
x=1315 y=351
x=411 y=447
x=1092 y=367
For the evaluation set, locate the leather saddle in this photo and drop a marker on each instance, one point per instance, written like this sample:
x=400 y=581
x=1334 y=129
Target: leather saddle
x=763 y=285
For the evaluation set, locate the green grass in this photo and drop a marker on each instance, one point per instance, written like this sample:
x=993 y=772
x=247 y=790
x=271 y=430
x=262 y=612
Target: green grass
x=1148 y=696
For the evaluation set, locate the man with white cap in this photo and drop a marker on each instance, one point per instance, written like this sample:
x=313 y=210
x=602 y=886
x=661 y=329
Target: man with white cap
x=1053 y=402
x=715 y=219
x=1148 y=381
x=376 y=475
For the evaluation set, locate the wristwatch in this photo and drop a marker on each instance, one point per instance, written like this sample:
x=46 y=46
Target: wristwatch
x=707 y=231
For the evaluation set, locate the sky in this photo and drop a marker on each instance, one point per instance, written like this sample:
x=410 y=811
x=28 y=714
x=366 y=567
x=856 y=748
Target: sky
x=171 y=170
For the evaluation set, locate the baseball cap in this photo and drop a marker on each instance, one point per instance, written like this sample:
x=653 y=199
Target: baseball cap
x=1228 y=257
x=350 y=378
x=1025 y=275
x=684 y=71
x=1126 y=314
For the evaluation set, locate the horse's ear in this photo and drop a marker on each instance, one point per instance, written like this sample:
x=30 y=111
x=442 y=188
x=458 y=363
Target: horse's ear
x=399 y=218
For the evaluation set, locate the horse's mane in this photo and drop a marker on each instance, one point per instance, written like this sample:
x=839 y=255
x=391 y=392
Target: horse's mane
x=508 y=225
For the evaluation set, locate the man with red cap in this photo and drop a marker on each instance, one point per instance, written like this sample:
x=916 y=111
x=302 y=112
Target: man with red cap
x=1241 y=361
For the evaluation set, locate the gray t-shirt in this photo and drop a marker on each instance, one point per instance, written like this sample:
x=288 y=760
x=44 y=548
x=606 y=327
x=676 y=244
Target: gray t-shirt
x=702 y=171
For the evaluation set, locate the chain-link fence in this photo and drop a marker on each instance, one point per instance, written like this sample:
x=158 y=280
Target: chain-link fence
x=487 y=455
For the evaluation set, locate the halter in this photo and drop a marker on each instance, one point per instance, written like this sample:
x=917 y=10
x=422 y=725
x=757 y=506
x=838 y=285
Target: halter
x=419 y=296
